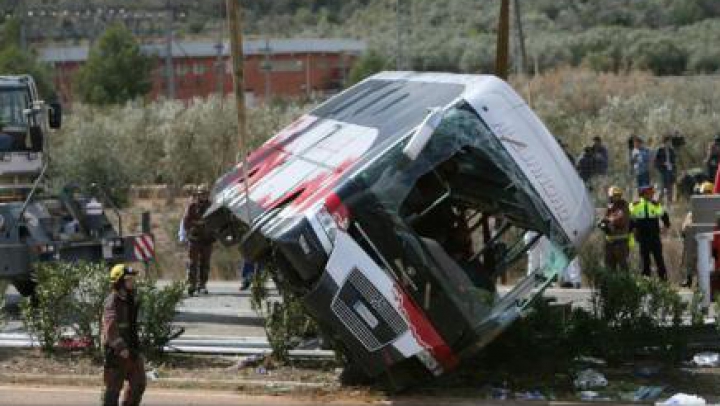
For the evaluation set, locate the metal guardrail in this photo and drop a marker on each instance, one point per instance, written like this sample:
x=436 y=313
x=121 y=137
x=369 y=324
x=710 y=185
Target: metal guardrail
x=194 y=345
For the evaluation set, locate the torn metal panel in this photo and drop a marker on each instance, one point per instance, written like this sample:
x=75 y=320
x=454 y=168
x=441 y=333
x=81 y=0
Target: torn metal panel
x=395 y=206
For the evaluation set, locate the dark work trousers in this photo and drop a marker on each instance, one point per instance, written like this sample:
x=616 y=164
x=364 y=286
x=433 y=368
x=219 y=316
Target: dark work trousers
x=652 y=246
x=117 y=371
x=616 y=255
x=199 y=266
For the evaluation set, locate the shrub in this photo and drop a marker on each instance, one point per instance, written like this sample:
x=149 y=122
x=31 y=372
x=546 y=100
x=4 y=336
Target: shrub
x=70 y=298
x=67 y=297
x=661 y=56
x=157 y=311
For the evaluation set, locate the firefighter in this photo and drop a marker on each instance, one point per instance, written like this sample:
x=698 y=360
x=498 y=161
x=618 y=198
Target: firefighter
x=616 y=225
x=123 y=360
x=194 y=230
x=646 y=215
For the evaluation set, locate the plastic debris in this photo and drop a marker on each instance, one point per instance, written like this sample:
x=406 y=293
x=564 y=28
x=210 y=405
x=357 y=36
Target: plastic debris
x=683 y=399
x=707 y=359
x=590 y=378
x=647 y=393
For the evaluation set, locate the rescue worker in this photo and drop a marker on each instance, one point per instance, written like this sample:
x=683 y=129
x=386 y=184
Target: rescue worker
x=646 y=215
x=123 y=361
x=194 y=230
x=616 y=225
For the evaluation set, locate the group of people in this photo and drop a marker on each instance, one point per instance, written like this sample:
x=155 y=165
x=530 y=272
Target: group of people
x=593 y=162
x=643 y=222
x=663 y=159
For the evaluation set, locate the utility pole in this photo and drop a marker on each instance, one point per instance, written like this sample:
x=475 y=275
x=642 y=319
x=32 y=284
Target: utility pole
x=236 y=51
x=501 y=51
x=219 y=62
x=522 y=62
x=169 y=68
x=267 y=68
x=399 y=45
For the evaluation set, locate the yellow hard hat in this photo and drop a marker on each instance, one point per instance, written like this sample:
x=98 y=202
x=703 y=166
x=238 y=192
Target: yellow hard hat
x=119 y=271
x=706 y=188
x=614 y=191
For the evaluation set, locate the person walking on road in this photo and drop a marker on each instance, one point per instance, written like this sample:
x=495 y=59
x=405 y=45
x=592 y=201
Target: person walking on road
x=646 y=215
x=121 y=343
x=665 y=164
x=194 y=231
x=616 y=225
x=640 y=161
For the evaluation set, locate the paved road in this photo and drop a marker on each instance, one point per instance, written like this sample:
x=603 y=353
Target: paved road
x=66 y=396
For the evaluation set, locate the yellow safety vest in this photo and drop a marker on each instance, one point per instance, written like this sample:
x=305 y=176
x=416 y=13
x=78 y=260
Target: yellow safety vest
x=646 y=209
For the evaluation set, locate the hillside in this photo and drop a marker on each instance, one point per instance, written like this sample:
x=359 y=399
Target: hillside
x=666 y=36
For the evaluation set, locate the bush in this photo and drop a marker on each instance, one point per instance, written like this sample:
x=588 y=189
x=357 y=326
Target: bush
x=67 y=297
x=661 y=56
x=157 y=311
x=70 y=298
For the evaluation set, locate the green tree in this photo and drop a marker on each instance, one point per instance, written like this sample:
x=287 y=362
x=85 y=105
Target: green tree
x=116 y=70
x=661 y=56
x=370 y=63
x=15 y=61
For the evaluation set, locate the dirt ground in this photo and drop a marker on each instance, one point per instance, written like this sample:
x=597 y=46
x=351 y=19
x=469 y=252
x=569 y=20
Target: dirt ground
x=319 y=381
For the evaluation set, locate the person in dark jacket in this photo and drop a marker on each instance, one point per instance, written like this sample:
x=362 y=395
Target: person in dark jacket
x=200 y=241
x=666 y=167
x=119 y=335
x=646 y=215
x=712 y=159
x=600 y=153
x=586 y=165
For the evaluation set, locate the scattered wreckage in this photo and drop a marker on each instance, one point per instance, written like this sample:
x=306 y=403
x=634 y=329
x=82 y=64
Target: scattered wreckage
x=394 y=207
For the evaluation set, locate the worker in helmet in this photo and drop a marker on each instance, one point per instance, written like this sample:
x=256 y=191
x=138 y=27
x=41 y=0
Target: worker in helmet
x=195 y=232
x=616 y=225
x=646 y=215
x=121 y=343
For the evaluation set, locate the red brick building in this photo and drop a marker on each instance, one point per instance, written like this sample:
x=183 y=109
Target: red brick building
x=273 y=68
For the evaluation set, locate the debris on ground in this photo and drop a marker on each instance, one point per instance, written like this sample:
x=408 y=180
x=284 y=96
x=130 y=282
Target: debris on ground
x=248 y=362
x=152 y=375
x=530 y=395
x=590 y=378
x=706 y=359
x=644 y=393
x=683 y=399
x=590 y=396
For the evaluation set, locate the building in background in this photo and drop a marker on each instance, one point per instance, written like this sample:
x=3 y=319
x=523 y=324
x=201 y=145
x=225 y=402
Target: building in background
x=292 y=68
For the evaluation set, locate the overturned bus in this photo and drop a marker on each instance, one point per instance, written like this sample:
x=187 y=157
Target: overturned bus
x=394 y=207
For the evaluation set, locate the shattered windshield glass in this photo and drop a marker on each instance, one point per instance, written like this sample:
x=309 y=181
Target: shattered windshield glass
x=460 y=210
x=13 y=102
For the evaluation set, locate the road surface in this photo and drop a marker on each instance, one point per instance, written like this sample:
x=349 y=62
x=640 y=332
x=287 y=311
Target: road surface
x=66 y=396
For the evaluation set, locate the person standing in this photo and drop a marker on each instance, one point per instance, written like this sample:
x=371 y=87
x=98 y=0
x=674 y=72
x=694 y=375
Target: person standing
x=586 y=166
x=646 y=215
x=121 y=343
x=640 y=161
x=616 y=225
x=195 y=232
x=712 y=159
x=665 y=164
